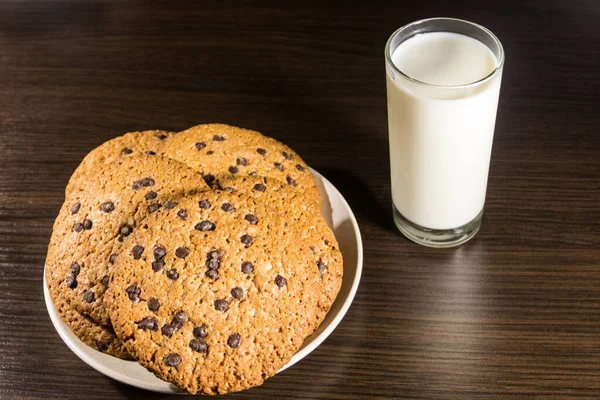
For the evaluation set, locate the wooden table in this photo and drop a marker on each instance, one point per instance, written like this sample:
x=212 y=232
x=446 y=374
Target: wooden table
x=515 y=313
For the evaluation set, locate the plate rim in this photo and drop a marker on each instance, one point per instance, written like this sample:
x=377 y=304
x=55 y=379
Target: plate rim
x=77 y=346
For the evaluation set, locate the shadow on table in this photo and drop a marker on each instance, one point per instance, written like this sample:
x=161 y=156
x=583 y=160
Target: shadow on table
x=360 y=197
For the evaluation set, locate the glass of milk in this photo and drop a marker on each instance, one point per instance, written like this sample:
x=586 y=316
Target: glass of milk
x=443 y=82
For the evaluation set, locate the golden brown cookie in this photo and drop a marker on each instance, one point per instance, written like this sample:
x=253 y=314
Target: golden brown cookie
x=102 y=210
x=217 y=301
x=221 y=151
x=121 y=148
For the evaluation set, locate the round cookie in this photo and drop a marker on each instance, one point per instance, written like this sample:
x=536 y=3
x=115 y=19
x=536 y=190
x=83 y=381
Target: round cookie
x=220 y=151
x=120 y=148
x=102 y=210
x=218 y=301
x=315 y=232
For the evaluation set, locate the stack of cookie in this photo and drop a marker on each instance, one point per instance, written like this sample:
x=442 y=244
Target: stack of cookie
x=201 y=254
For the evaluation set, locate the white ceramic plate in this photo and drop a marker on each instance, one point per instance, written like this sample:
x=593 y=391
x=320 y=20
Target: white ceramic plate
x=340 y=218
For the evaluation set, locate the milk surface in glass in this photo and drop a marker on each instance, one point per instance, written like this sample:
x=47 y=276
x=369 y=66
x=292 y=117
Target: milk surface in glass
x=440 y=130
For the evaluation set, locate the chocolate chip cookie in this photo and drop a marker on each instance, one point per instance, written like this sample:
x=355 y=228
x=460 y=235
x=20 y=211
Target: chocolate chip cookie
x=103 y=209
x=220 y=151
x=216 y=294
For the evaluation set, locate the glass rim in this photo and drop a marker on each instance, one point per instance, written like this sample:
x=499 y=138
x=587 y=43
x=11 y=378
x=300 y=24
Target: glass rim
x=388 y=56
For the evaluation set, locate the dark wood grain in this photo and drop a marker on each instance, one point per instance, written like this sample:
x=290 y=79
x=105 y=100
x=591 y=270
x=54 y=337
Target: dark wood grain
x=513 y=314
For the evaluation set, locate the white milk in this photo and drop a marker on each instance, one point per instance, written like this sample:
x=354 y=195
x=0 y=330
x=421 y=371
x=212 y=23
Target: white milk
x=441 y=138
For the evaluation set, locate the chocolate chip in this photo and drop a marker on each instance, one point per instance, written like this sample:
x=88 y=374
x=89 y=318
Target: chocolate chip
x=161 y=136
x=126 y=230
x=242 y=161
x=151 y=195
x=147 y=182
x=286 y=155
x=182 y=252
x=278 y=166
x=227 y=207
x=200 y=332
x=182 y=214
x=172 y=274
x=237 y=293
x=221 y=305
x=260 y=151
x=233 y=170
x=299 y=167
x=153 y=304
x=234 y=340
x=153 y=207
x=259 y=187
x=126 y=151
x=218 y=138
x=87 y=224
x=134 y=292
x=105 y=281
x=200 y=145
x=208 y=153
x=113 y=258
x=137 y=185
x=75 y=208
x=75 y=269
x=107 y=206
x=159 y=252
x=213 y=263
x=247 y=267
x=205 y=226
x=148 y=324
x=89 y=296
x=101 y=346
x=321 y=267
x=150 y=153
x=209 y=179
x=180 y=318
x=290 y=181
x=199 y=345
x=172 y=360
x=137 y=252
x=168 y=330
x=204 y=204
x=280 y=281
x=158 y=265
x=71 y=282
x=78 y=227
x=251 y=218
x=212 y=273
x=213 y=259
x=170 y=205
x=247 y=240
